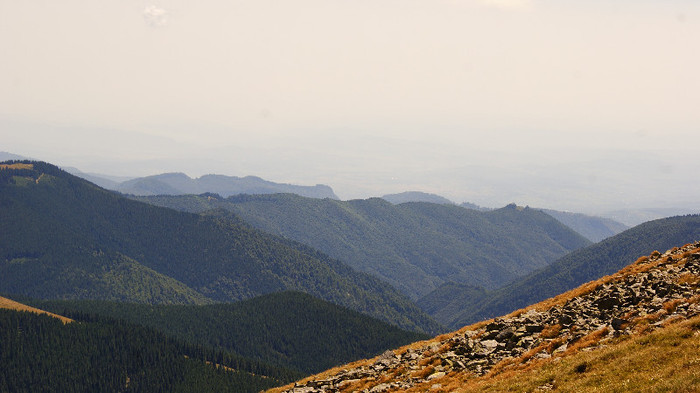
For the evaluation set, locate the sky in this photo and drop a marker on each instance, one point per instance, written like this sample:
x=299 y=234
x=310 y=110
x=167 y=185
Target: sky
x=575 y=105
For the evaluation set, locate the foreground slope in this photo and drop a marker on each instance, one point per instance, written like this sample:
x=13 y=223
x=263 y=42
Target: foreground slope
x=413 y=246
x=654 y=301
x=66 y=238
x=289 y=329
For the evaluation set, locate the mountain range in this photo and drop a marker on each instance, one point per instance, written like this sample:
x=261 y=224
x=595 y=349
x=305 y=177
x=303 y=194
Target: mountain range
x=247 y=292
x=180 y=184
x=64 y=237
x=415 y=247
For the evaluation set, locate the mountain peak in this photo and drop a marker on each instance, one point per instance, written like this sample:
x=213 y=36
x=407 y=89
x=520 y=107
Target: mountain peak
x=653 y=293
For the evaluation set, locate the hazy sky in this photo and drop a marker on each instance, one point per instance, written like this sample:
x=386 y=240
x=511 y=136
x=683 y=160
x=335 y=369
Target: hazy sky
x=561 y=102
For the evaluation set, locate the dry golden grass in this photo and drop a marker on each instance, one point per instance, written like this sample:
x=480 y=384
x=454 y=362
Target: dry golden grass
x=670 y=306
x=688 y=278
x=550 y=331
x=17 y=166
x=424 y=372
x=13 y=305
x=588 y=340
x=667 y=360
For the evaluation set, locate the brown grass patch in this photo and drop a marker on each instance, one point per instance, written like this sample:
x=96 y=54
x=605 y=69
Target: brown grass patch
x=688 y=278
x=550 y=331
x=670 y=306
x=642 y=324
x=534 y=351
x=424 y=373
x=588 y=340
x=17 y=166
x=13 y=305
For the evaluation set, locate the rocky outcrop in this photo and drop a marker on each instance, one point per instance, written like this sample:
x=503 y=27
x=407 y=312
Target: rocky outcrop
x=654 y=291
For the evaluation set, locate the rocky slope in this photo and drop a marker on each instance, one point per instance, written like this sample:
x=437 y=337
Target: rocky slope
x=652 y=293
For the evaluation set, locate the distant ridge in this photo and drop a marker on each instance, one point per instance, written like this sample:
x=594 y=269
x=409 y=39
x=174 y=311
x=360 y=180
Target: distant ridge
x=181 y=184
x=5 y=156
x=416 y=196
x=593 y=228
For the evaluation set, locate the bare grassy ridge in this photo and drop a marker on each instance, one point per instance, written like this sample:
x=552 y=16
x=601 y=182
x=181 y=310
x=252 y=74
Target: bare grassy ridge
x=13 y=305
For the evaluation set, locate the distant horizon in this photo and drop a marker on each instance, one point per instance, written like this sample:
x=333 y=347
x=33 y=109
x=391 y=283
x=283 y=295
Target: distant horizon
x=617 y=213
x=578 y=106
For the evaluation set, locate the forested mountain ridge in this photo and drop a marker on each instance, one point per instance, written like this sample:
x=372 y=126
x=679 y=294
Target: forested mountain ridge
x=64 y=237
x=414 y=246
x=40 y=353
x=289 y=329
x=582 y=265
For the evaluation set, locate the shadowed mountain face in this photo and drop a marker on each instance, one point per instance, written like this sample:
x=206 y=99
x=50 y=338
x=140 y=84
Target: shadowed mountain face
x=416 y=247
x=40 y=353
x=288 y=329
x=180 y=184
x=66 y=238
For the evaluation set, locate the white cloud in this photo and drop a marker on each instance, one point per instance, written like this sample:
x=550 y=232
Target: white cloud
x=155 y=16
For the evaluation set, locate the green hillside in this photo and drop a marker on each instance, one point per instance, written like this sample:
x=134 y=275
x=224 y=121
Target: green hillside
x=289 y=329
x=66 y=238
x=447 y=302
x=580 y=266
x=39 y=353
x=416 y=247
